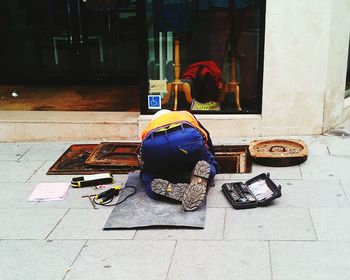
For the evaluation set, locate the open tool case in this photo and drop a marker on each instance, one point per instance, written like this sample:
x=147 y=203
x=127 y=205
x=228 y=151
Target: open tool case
x=258 y=191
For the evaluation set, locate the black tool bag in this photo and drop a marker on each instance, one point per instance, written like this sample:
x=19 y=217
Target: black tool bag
x=258 y=191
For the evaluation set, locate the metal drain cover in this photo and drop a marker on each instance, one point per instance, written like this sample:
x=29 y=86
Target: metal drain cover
x=278 y=152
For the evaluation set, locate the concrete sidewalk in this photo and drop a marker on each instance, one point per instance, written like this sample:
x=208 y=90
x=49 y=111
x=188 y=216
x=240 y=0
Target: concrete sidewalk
x=304 y=235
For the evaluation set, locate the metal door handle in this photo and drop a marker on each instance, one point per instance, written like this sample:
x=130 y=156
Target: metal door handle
x=69 y=22
x=79 y=22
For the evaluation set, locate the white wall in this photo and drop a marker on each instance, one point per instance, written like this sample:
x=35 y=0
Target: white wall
x=295 y=68
x=306 y=49
x=335 y=111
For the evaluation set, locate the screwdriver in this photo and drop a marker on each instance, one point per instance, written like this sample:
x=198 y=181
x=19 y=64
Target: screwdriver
x=108 y=194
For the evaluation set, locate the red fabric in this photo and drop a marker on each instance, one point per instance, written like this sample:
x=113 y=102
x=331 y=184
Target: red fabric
x=209 y=67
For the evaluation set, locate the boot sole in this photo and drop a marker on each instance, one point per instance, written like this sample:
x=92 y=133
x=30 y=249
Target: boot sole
x=167 y=189
x=195 y=194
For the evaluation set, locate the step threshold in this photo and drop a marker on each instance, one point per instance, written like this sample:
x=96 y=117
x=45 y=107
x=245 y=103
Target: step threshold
x=33 y=126
x=29 y=126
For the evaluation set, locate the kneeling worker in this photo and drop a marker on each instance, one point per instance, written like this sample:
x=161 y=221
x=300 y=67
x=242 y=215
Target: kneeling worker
x=177 y=159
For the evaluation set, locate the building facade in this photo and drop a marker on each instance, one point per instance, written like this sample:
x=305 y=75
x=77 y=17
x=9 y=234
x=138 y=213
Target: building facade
x=297 y=55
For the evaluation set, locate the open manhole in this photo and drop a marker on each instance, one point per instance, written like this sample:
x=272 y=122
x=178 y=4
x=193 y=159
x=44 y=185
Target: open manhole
x=121 y=158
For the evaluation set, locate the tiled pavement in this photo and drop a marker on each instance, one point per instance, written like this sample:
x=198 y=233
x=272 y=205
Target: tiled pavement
x=304 y=235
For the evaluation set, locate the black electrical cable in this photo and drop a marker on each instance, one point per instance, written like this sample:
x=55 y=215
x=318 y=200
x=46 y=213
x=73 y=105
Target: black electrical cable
x=109 y=198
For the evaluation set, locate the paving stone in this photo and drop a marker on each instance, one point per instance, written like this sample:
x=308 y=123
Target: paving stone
x=341 y=131
x=37 y=259
x=311 y=193
x=311 y=260
x=13 y=151
x=216 y=197
x=120 y=178
x=14 y=171
x=316 y=145
x=338 y=146
x=14 y=147
x=346 y=187
x=40 y=175
x=73 y=199
x=214 y=227
x=4 y=157
x=322 y=167
x=344 y=126
x=332 y=223
x=74 y=196
x=322 y=183
x=289 y=172
x=126 y=259
x=295 y=193
x=270 y=223
x=233 y=141
x=88 y=224
x=28 y=223
x=45 y=151
x=15 y=195
x=220 y=260
x=222 y=176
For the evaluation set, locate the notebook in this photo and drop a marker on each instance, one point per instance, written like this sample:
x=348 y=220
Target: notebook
x=49 y=192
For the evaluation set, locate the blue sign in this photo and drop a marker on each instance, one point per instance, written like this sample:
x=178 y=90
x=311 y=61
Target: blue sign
x=154 y=102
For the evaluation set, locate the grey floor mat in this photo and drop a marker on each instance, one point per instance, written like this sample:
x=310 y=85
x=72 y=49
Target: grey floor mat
x=140 y=211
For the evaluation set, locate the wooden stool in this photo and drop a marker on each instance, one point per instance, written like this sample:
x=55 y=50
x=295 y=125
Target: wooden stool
x=177 y=85
x=232 y=86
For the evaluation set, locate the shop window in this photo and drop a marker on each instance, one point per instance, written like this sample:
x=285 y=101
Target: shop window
x=203 y=56
x=347 y=83
x=71 y=42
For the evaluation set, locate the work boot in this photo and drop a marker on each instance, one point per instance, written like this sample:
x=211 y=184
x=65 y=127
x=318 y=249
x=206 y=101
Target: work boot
x=167 y=189
x=195 y=193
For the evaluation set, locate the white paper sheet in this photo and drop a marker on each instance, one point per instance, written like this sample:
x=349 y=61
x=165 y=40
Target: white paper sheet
x=49 y=192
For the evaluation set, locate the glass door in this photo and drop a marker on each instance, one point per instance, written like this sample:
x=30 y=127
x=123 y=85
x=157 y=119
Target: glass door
x=37 y=39
x=68 y=41
x=107 y=38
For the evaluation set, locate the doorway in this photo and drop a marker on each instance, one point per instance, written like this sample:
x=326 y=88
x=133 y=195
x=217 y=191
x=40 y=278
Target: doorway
x=56 y=43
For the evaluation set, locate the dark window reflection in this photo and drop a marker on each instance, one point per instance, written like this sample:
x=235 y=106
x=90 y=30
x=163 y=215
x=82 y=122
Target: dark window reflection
x=68 y=40
x=224 y=32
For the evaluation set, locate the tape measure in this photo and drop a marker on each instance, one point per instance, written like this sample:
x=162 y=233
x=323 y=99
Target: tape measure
x=92 y=180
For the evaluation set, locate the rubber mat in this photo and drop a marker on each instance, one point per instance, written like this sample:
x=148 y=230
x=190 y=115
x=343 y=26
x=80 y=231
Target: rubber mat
x=140 y=211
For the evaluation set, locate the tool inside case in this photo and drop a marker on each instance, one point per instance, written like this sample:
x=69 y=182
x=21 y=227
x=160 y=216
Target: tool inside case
x=258 y=191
